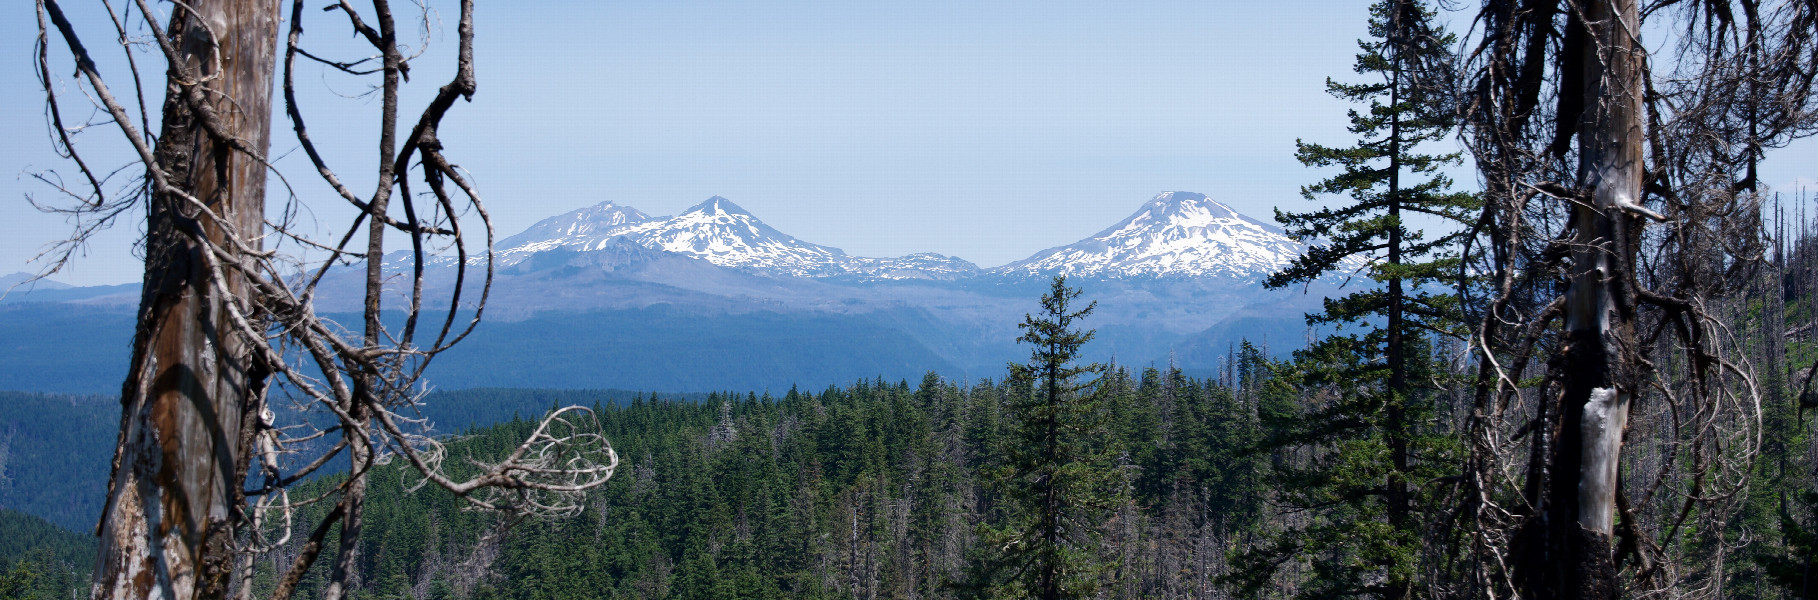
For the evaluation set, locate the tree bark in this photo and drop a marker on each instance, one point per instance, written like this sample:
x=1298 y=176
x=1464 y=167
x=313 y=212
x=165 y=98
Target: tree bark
x=1599 y=360
x=193 y=386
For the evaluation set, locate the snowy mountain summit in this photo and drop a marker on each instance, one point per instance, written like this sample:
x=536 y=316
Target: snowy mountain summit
x=582 y=230
x=1174 y=235
x=721 y=233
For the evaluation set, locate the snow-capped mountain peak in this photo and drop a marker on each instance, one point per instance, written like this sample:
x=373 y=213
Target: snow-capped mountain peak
x=720 y=232
x=1175 y=234
x=718 y=205
x=1188 y=209
x=582 y=229
x=599 y=219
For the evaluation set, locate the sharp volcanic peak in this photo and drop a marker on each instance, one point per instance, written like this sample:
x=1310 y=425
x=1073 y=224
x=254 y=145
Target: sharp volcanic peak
x=1176 y=234
x=720 y=232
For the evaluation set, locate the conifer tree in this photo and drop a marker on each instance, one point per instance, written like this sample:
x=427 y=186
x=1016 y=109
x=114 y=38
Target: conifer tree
x=1365 y=439
x=1057 y=479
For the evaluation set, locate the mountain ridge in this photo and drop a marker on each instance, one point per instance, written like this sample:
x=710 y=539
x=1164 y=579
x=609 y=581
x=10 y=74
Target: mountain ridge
x=1173 y=235
x=575 y=292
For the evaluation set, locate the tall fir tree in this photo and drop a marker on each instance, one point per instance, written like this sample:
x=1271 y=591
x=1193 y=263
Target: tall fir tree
x=1365 y=438
x=1059 y=481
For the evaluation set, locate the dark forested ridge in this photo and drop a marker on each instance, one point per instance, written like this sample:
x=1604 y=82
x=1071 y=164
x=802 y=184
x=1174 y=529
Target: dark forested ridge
x=65 y=348
x=41 y=561
x=875 y=490
x=889 y=489
x=54 y=450
x=661 y=348
x=81 y=348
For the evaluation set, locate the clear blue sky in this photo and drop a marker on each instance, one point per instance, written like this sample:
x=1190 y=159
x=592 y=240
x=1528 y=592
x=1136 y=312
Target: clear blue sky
x=981 y=129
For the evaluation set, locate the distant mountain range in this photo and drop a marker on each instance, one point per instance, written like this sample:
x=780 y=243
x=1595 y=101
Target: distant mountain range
x=713 y=298
x=1176 y=234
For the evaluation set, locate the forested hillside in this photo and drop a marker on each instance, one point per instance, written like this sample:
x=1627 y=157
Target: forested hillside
x=54 y=448
x=53 y=455
x=41 y=561
x=875 y=490
x=883 y=490
x=1546 y=327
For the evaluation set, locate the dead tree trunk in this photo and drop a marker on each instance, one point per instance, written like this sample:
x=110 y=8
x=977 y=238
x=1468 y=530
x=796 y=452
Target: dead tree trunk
x=194 y=387
x=1599 y=359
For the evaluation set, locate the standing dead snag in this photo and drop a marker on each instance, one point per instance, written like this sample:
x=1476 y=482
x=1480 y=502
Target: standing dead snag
x=174 y=496
x=1614 y=416
x=1599 y=356
x=226 y=323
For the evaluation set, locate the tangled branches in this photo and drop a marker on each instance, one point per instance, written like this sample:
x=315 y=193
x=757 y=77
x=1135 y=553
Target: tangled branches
x=1677 y=258
x=231 y=360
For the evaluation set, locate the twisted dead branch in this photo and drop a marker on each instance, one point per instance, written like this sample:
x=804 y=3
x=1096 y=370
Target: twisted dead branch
x=260 y=332
x=1736 y=83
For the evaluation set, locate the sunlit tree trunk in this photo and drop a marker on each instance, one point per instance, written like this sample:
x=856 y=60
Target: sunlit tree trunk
x=192 y=393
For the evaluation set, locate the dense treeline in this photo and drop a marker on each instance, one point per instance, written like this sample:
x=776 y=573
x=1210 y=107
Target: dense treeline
x=1265 y=480
x=41 y=561
x=53 y=455
x=876 y=490
x=54 y=448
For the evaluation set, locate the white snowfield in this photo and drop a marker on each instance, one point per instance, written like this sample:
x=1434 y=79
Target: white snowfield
x=719 y=232
x=1176 y=234
x=724 y=234
x=584 y=230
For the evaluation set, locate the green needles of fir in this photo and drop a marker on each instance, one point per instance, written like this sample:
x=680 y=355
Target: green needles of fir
x=1367 y=434
x=1059 y=481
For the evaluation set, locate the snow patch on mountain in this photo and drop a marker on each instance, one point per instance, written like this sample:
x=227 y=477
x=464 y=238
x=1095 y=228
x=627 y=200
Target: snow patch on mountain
x=720 y=232
x=1176 y=234
x=587 y=229
x=922 y=265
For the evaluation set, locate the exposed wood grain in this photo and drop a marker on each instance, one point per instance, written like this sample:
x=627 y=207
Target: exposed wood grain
x=169 y=528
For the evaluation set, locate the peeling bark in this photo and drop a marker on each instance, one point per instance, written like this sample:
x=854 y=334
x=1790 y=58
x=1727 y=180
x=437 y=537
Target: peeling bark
x=167 y=531
x=1605 y=416
x=1569 y=552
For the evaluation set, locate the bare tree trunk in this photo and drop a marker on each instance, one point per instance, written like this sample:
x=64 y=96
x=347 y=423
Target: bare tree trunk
x=1578 y=508
x=193 y=386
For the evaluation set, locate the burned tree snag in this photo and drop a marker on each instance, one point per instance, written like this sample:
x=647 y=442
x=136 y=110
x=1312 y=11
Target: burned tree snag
x=168 y=527
x=222 y=318
x=1599 y=356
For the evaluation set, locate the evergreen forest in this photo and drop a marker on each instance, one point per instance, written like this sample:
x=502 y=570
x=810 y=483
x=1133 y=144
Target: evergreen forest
x=1572 y=353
